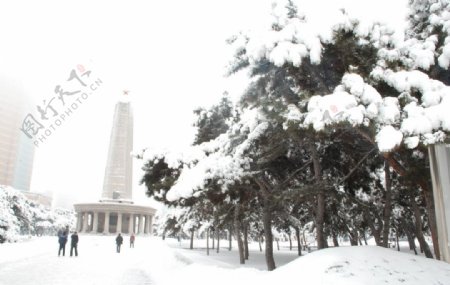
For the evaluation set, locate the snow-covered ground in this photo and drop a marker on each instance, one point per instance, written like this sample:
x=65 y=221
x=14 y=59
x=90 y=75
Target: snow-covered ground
x=154 y=261
x=230 y=259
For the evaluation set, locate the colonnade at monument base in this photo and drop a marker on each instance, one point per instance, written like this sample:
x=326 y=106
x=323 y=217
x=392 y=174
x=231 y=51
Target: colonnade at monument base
x=113 y=218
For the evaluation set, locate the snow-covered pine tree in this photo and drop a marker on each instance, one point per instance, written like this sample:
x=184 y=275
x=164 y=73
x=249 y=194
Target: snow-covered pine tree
x=22 y=217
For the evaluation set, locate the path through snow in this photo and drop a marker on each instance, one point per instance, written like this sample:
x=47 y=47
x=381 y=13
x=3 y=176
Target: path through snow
x=153 y=262
x=36 y=262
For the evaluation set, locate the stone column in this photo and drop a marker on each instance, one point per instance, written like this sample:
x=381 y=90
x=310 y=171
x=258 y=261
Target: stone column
x=141 y=224
x=147 y=224
x=119 y=223
x=106 y=227
x=95 y=223
x=131 y=224
x=79 y=222
x=150 y=224
x=85 y=222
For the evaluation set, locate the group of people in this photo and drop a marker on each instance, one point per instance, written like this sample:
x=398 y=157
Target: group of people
x=63 y=237
x=119 y=241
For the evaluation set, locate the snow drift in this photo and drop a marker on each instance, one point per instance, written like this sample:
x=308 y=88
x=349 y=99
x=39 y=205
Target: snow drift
x=365 y=265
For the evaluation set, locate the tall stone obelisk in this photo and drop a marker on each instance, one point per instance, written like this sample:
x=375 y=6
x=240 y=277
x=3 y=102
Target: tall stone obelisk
x=117 y=184
x=116 y=212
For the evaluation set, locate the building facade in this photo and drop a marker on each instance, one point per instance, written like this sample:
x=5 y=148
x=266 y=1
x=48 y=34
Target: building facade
x=16 y=149
x=113 y=218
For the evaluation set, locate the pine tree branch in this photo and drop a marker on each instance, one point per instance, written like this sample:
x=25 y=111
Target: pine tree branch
x=291 y=176
x=356 y=167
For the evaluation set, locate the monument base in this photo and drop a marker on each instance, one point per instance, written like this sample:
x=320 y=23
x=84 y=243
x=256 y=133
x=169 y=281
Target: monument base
x=113 y=217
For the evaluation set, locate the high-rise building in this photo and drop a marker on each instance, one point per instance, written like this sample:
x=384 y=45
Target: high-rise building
x=16 y=149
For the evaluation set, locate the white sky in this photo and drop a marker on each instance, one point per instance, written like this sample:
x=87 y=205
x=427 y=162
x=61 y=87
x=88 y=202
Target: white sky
x=169 y=54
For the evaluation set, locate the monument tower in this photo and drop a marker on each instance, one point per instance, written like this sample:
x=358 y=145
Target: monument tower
x=119 y=168
x=115 y=211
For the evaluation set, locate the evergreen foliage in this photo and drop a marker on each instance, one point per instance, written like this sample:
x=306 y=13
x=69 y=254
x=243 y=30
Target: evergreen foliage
x=284 y=158
x=22 y=217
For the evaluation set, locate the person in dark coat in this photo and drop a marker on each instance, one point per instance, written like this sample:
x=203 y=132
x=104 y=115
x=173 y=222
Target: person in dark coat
x=62 y=239
x=132 y=238
x=74 y=243
x=119 y=241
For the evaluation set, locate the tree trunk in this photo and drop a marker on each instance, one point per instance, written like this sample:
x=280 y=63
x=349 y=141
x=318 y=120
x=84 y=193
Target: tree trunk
x=398 y=244
x=320 y=208
x=290 y=242
x=387 y=204
x=335 y=240
x=237 y=232
x=246 y=253
x=267 y=222
x=376 y=234
x=415 y=250
x=213 y=240
x=428 y=194
x=320 y=213
x=218 y=240
x=229 y=239
x=192 y=240
x=411 y=242
x=304 y=240
x=299 y=244
x=207 y=242
x=431 y=214
x=259 y=241
x=363 y=234
x=419 y=232
x=353 y=237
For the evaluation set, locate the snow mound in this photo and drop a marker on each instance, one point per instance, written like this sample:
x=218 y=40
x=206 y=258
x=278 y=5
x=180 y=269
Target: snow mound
x=365 y=265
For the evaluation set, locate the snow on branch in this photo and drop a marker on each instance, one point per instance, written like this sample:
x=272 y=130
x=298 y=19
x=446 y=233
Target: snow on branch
x=224 y=159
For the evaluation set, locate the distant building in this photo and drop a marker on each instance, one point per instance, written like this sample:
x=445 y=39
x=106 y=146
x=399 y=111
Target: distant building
x=16 y=149
x=39 y=198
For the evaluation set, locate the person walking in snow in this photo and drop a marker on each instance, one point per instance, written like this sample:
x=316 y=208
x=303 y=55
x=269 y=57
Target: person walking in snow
x=62 y=239
x=132 y=238
x=74 y=243
x=119 y=241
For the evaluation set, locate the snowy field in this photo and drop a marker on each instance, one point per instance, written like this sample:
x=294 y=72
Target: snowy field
x=230 y=259
x=154 y=261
